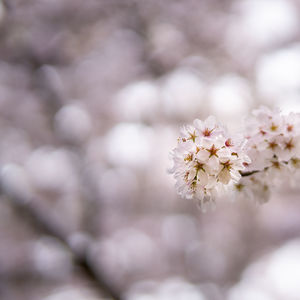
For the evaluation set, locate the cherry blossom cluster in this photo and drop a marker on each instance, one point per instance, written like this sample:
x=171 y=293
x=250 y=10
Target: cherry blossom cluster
x=273 y=145
x=206 y=160
x=209 y=161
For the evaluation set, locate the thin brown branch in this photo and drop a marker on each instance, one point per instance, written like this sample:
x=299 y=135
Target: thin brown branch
x=245 y=174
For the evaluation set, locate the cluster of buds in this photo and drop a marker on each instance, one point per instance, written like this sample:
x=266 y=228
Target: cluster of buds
x=208 y=161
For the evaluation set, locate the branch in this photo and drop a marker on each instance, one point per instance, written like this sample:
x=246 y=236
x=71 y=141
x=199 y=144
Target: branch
x=245 y=174
x=7 y=4
x=43 y=224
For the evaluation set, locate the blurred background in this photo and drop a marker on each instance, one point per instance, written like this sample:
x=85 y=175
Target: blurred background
x=92 y=95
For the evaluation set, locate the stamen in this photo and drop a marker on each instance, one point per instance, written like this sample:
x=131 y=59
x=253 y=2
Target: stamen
x=213 y=151
x=207 y=132
x=289 y=145
x=273 y=127
x=290 y=128
x=273 y=145
x=192 y=136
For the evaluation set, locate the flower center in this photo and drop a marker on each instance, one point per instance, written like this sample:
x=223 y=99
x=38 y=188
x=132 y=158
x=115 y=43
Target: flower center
x=213 y=151
x=272 y=145
x=290 y=128
x=276 y=164
x=239 y=186
x=273 y=127
x=199 y=166
x=289 y=145
x=207 y=132
x=295 y=161
x=192 y=136
x=227 y=165
x=262 y=132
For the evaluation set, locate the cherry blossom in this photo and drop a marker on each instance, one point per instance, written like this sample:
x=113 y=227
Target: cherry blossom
x=209 y=161
x=206 y=160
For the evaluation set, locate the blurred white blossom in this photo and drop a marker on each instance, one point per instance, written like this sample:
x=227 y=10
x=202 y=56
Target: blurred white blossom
x=278 y=74
x=74 y=293
x=262 y=23
x=273 y=138
x=230 y=97
x=169 y=289
x=280 y=270
x=274 y=148
x=50 y=257
x=182 y=94
x=138 y=101
x=52 y=169
x=129 y=144
x=73 y=123
x=15 y=182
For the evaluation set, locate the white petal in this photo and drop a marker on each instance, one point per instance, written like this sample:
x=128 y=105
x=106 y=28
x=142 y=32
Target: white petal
x=224 y=176
x=202 y=155
x=210 y=122
x=206 y=143
x=199 y=124
x=212 y=165
x=235 y=175
x=192 y=174
x=202 y=178
x=224 y=154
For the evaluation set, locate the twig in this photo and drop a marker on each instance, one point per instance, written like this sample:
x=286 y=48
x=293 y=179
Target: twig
x=245 y=174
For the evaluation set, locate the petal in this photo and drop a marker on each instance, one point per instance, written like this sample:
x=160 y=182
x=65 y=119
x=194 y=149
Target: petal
x=202 y=178
x=210 y=122
x=206 y=143
x=235 y=175
x=202 y=155
x=198 y=124
x=224 y=176
x=212 y=181
x=224 y=154
x=213 y=165
x=192 y=174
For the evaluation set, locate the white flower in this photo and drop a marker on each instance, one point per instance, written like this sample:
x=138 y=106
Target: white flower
x=254 y=187
x=206 y=160
x=208 y=128
x=294 y=168
x=272 y=135
x=274 y=148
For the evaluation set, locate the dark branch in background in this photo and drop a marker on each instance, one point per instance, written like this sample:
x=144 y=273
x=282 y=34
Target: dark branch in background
x=7 y=5
x=44 y=225
x=36 y=218
x=39 y=66
x=245 y=174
